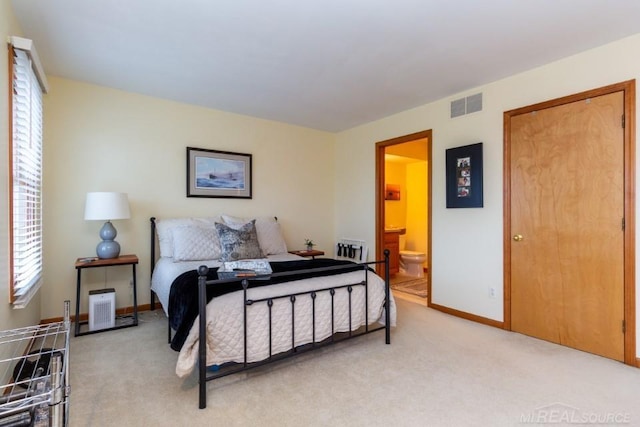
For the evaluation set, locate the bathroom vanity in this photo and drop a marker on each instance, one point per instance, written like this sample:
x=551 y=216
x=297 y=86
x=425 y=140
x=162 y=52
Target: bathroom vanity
x=392 y=243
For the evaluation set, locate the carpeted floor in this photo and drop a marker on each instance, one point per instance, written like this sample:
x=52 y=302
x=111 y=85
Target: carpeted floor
x=438 y=371
x=416 y=287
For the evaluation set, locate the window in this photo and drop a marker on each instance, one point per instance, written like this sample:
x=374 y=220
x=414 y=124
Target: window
x=25 y=171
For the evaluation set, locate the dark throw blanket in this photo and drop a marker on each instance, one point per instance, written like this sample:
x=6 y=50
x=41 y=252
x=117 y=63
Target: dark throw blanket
x=183 y=297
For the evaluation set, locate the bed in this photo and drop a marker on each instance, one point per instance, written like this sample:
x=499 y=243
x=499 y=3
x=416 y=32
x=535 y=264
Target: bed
x=252 y=319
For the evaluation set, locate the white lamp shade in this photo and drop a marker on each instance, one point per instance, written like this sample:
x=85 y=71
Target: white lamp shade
x=106 y=206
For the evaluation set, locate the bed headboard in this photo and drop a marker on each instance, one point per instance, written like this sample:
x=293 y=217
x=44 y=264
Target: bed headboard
x=268 y=231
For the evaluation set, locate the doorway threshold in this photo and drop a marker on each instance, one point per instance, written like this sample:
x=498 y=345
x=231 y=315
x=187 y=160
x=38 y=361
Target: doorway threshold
x=410 y=297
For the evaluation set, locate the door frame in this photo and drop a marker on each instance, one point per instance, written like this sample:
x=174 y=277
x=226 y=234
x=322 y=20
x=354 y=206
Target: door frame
x=628 y=89
x=380 y=192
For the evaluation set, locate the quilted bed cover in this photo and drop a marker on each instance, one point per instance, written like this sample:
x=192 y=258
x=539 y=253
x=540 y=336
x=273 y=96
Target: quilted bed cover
x=225 y=316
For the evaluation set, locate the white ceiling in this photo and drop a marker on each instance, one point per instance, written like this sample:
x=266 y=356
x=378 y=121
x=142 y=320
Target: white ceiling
x=323 y=64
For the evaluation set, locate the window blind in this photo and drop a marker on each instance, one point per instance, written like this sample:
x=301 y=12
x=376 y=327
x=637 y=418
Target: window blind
x=26 y=181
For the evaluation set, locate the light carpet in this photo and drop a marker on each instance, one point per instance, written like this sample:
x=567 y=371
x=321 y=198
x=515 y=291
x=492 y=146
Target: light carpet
x=439 y=370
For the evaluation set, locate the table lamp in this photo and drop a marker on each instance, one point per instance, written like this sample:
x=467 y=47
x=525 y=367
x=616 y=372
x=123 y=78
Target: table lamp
x=107 y=206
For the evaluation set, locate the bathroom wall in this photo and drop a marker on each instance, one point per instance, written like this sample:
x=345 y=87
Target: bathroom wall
x=416 y=184
x=396 y=210
x=410 y=211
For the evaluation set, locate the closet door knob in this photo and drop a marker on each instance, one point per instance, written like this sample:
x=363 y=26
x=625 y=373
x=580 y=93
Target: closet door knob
x=518 y=237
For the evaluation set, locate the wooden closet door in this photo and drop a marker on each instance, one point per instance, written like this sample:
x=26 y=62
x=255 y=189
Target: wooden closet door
x=567 y=210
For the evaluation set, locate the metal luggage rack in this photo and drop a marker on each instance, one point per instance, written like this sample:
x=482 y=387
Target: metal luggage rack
x=352 y=249
x=35 y=362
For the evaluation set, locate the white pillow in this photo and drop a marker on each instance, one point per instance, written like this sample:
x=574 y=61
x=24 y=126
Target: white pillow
x=270 y=238
x=164 y=230
x=268 y=230
x=195 y=243
x=236 y=222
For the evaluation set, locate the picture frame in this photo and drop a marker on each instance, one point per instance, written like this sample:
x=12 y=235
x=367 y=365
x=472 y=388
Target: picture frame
x=392 y=192
x=219 y=174
x=464 y=176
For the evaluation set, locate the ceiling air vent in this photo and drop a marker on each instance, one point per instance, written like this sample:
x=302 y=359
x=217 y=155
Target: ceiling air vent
x=468 y=105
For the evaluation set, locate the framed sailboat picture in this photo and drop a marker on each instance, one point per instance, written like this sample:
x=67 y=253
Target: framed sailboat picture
x=213 y=173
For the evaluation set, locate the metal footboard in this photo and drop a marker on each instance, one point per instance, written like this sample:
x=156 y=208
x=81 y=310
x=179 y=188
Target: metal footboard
x=293 y=298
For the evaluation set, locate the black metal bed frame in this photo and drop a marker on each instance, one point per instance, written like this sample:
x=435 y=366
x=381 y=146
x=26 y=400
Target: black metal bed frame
x=232 y=368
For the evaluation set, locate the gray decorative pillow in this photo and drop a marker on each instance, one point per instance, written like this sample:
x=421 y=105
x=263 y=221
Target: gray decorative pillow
x=268 y=230
x=241 y=243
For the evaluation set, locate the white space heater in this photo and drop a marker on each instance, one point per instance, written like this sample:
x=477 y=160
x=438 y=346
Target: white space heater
x=102 y=309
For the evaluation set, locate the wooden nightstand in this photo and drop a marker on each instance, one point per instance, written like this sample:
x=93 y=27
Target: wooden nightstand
x=312 y=253
x=82 y=263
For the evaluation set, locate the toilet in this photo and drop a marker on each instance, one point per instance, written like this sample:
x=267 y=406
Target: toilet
x=411 y=263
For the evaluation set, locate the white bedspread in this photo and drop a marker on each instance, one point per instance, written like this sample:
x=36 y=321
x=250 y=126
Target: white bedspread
x=225 y=319
x=166 y=270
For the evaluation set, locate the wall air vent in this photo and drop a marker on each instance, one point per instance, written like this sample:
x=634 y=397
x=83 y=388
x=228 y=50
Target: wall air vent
x=468 y=105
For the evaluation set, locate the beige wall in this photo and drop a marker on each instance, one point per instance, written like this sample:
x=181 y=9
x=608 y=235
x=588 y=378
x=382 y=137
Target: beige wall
x=480 y=230
x=320 y=185
x=9 y=318
x=99 y=139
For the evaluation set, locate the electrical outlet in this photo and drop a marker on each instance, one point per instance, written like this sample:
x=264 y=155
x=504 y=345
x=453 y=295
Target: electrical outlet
x=492 y=292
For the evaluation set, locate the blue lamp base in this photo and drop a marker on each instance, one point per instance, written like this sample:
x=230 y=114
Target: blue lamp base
x=108 y=248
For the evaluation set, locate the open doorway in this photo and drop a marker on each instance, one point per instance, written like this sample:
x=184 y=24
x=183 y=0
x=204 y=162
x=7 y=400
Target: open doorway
x=403 y=213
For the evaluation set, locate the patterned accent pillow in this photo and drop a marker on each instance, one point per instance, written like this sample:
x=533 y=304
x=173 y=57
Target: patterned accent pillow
x=268 y=230
x=240 y=243
x=195 y=243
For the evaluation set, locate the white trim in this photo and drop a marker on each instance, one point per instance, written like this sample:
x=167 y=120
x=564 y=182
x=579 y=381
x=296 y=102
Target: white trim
x=23 y=300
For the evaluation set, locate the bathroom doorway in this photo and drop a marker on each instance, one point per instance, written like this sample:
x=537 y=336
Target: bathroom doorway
x=403 y=213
